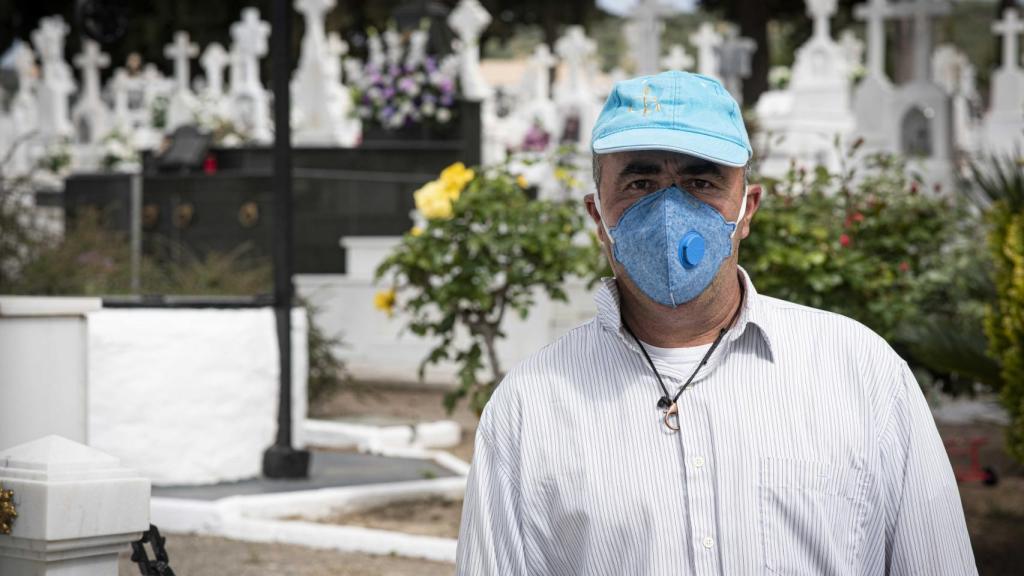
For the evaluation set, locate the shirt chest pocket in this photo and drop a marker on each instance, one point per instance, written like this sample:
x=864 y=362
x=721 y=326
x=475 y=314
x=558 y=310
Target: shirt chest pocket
x=812 y=516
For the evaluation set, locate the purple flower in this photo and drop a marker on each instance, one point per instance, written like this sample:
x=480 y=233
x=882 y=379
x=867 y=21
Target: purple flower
x=446 y=100
x=388 y=93
x=430 y=64
x=407 y=85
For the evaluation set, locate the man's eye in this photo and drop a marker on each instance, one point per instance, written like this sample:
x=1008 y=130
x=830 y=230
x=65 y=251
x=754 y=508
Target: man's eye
x=699 y=184
x=641 y=185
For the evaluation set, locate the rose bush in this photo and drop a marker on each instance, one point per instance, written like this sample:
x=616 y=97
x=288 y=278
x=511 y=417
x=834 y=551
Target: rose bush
x=482 y=248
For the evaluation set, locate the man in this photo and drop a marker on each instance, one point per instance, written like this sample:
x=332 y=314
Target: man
x=694 y=426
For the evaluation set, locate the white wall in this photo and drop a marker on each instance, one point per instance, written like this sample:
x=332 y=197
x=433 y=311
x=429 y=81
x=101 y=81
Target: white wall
x=375 y=347
x=189 y=396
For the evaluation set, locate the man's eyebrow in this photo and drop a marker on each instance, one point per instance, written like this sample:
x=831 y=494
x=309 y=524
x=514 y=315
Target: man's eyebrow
x=704 y=167
x=640 y=167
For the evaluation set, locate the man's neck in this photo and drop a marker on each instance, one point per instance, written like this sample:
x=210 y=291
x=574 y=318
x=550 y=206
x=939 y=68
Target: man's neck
x=692 y=324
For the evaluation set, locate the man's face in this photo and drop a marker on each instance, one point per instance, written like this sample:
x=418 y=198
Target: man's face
x=626 y=177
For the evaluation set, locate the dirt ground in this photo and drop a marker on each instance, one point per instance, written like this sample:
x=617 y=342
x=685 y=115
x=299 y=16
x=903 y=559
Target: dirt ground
x=429 y=517
x=995 y=515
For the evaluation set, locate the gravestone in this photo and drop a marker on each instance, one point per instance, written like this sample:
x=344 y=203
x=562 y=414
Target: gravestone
x=248 y=97
x=90 y=115
x=677 y=59
x=920 y=107
x=706 y=40
x=643 y=35
x=23 y=118
x=954 y=73
x=214 y=60
x=734 y=61
x=873 y=96
x=57 y=84
x=804 y=121
x=182 y=106
x=1004 y=123
x=575 y=97
x=469 y=20
x=321 y=103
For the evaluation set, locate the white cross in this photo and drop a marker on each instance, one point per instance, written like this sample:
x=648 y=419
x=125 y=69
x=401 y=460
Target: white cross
x=1009 y=27
x=214 y=59
x=90 y=61
x=120 y=85
x=821 y=11
x=250 y=34
x=646 y=27
x=706 y=40
x=181 y=50
x=874 y=14
x=314 y=7
x=677 y=58
x=852 y=47
x=468 y=20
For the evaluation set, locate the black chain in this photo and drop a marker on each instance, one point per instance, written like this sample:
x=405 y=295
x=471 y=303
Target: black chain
x=160 y=565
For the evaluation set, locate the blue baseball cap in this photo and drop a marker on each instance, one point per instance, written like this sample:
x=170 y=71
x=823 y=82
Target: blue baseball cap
x=674 y=111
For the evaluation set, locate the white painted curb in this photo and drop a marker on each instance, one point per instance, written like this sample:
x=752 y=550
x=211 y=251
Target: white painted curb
x=257 y=518
x=336 y=434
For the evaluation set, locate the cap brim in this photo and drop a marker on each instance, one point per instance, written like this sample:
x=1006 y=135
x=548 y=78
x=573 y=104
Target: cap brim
x=709 y=148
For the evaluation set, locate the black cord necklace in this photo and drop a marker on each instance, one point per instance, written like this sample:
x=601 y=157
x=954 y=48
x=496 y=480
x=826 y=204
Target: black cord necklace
x=667 y=403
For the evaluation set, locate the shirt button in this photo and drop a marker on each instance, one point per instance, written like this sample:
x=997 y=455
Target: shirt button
x=708 y=542
x=698 y=461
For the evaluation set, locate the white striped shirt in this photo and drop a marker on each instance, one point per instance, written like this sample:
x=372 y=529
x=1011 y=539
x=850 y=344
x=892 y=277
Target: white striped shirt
x=806 y=447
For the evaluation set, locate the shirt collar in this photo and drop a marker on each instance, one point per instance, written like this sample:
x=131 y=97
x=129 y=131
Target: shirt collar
x=753 y=315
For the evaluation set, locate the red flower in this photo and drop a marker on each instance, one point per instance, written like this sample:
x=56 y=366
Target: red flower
x=904 y=266
x=844 y=240
x=858 y=217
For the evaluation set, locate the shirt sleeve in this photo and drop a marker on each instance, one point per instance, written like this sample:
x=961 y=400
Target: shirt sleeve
x=925 y=528
x=490 y=538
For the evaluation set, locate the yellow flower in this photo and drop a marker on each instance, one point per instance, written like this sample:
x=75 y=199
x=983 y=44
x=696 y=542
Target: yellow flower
x=455 y=177
x=561 y=174
x=521 y=181
x=384 y=301
x=416 y=231
x=434 y=201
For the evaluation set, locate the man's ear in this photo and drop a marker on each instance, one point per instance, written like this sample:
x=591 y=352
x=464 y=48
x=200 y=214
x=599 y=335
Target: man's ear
x=590 y=201
x=754 y=192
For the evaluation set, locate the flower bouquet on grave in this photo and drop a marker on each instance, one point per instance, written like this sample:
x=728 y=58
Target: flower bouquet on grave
x=403 y=89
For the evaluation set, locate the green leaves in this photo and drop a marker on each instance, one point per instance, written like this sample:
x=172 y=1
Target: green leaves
x=462 y=274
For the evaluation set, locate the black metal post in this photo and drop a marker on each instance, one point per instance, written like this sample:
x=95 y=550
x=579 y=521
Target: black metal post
x=281 y=460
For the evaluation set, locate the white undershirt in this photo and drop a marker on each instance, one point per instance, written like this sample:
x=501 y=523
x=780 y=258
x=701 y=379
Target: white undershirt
x=682 y=360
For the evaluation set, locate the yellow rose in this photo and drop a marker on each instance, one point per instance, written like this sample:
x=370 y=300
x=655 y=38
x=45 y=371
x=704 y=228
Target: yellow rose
x=385 y=301
x=455 y=177
x=434 y=201
x=521 y=181
x=416 y=231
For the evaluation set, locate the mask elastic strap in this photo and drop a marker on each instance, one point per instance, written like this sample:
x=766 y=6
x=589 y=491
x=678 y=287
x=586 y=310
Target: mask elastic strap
x=743 y=212
x=597 y=204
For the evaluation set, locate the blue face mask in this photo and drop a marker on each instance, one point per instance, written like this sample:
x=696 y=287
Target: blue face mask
x=672 y=244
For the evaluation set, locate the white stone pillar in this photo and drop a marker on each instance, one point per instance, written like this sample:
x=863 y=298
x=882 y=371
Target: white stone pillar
x=43 y=372
x=77 y=509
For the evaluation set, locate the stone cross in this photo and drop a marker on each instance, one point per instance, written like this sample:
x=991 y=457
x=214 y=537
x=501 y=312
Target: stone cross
x=120 y=85
x=1009 y=27
x=214 y=60
x=874 y=14
x=336 y=48
x=575 y=48
x=644 y=31
x=677 y=59
x=250 y=38
x=541 y=63
x=706 y=40
x=821 y=11
x=852 y=47
x=181 y=51
x=313 y=41
x=734 y=61
x=921 y=11
x=90 y=61
x=90 y=113
x=468 y=20
x=57 y=82
x=249 y=99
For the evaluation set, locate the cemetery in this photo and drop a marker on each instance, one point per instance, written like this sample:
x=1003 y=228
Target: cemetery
x=262 y=268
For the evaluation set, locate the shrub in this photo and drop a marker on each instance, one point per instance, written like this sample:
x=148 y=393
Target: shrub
x=484 y=249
